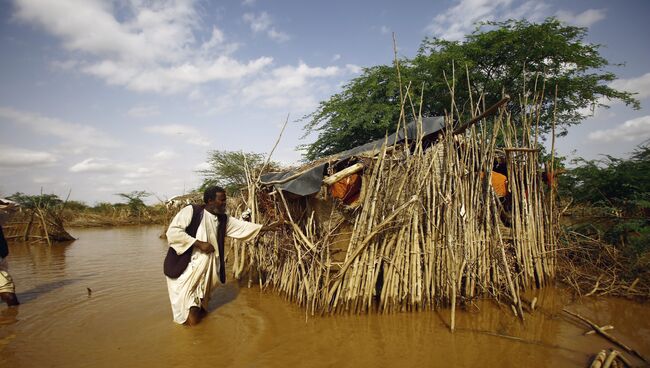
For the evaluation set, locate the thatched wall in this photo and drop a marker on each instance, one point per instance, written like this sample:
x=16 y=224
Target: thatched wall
x=429 y=231
x=36 y=225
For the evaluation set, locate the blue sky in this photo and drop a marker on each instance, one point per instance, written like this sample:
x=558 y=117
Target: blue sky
x=102 y=97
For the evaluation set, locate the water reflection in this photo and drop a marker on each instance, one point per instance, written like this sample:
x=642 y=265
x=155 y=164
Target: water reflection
x=39 y=290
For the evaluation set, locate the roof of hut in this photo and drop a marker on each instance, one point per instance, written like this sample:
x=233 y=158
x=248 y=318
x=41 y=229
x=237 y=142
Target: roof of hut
x=307 y=179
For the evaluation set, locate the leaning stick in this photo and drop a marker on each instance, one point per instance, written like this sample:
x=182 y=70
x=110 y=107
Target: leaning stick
x=599 y=359
x=374 y=232
x=485 y=114
x=289 y=178
x=268 y=159
x=606 y=335
x=610 y=358
x=329 y=180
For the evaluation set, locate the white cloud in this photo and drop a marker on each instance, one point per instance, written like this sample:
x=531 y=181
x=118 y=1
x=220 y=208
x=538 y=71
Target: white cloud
x=19 y=157
x=262 y=23
x=202 y=166
x=354 y=69
x=248 y=2
x=585 y=19
x=144 y=46
x=288 y=86
x=96 y=165
x=640 y=85
x=188 y=133
x=141 y=172
x=143 y=111
x=384 y=30
x=336 y=57
x=43 y=180
x=632 y=130
x=217 y=38
x=459 y=20
x=80 y=136
x=177 y=78
x=90 y=27
x=165 y=155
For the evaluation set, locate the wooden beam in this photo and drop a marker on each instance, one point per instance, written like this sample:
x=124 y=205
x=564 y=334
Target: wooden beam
x=482 y=116
x=329 y=180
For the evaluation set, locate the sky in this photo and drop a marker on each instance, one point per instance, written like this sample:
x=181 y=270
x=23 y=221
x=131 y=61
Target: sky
x=105 y=97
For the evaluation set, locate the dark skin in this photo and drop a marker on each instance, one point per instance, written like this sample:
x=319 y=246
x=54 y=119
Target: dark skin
x=9 y=298
x=215 y=206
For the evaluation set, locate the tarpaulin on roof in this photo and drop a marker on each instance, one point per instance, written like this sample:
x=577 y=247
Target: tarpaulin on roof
x=307 y=183
x=310 y=181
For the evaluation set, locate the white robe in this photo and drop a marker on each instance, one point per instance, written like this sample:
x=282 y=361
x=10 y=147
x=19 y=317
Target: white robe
x=194 y=286
x=6 y=282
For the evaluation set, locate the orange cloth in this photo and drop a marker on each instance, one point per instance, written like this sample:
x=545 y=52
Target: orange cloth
x=499 y=184
x=347 y=189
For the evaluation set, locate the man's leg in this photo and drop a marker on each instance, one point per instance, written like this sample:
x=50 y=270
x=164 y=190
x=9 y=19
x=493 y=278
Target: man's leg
x=7 y=288
x=9 y=298
x=195 y=316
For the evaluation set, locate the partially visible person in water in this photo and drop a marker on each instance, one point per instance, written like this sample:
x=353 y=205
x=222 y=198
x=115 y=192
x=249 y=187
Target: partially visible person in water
x=7 y=287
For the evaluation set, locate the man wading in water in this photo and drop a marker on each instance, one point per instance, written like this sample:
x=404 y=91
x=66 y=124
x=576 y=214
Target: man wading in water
x=192 y=265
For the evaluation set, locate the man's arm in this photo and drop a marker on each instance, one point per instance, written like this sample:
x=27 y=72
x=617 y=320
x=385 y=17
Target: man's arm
x=179 y=239
x=242 y=230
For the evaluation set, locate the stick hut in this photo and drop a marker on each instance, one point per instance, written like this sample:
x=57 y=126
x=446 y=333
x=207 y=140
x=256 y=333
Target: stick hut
x=418 y=224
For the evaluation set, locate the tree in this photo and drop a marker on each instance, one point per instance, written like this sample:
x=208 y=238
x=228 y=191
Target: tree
x=500 y=57
x=228 y=169
x=32 y=202
x=617 y=194
x=134 y=200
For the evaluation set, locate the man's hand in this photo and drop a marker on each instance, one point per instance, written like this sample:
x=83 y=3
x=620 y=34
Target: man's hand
x=204 y=246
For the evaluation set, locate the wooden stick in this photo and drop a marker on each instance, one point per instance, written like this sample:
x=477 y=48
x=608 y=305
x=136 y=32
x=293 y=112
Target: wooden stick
x=485 y=114
x=610 y=358
x=372 y=234
x=289 y=178
x=604 y=328
x=521 y=149
x=606 y=335
x=599 y=359
x=268 y=159
x=329 y=180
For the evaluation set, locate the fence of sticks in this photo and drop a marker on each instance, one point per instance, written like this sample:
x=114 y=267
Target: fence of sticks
x=37 y=223
x=428 y=229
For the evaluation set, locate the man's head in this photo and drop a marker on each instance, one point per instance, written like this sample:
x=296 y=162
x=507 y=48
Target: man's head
x=215 y=200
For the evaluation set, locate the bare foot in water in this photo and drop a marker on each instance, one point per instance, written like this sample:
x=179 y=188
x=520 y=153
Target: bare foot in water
x=9 y=298
x=195 y=316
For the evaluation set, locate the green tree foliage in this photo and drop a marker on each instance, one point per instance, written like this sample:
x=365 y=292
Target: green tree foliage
x=42 y=201
x=500 y=57
x=228 y=169
x=617 y=192
x=134 y=201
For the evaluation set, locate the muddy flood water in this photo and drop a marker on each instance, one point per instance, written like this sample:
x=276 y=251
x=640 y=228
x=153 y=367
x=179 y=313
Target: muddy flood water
x=125 y=320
